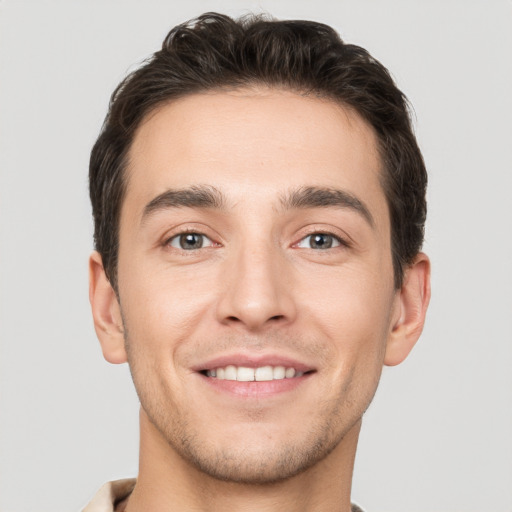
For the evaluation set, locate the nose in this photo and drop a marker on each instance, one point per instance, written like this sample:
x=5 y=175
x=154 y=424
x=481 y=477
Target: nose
x=256 y=290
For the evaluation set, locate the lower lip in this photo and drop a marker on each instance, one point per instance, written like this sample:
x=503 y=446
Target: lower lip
x=255 y=389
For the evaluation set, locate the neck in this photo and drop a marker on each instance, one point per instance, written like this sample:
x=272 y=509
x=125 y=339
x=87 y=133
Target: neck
x=168 y=483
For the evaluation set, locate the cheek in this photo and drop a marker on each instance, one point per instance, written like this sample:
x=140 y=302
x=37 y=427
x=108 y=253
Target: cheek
x=353 y=311
x=162 y=309
x=356 y=323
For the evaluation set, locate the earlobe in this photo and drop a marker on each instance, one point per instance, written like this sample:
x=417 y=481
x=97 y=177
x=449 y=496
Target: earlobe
x=413 y=299
x=106 y=312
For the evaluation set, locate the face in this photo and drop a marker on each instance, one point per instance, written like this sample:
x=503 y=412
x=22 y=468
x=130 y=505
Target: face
x=255 y=278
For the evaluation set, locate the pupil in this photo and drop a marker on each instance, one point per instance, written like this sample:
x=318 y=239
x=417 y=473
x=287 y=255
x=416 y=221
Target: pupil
x=321 y=241
x=191 y=241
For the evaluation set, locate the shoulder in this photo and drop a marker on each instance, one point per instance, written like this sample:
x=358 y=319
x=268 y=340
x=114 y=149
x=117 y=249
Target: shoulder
x=109 y=495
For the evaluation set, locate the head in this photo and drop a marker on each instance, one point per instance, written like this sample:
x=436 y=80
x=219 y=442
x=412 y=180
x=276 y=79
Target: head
x=216 y=53
x=259 y=203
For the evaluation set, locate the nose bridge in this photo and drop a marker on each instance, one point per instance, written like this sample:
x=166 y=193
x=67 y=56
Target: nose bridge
x=255 y=288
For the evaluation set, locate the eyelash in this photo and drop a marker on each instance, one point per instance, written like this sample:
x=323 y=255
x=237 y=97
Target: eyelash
x=169 y=241
x=176 y=237
x=335 y=238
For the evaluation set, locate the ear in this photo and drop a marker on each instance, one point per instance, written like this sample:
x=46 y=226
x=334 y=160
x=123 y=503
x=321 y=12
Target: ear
x=106 y=312
x=411 y=308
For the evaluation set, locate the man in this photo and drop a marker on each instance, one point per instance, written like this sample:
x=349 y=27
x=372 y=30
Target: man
x=259 y=205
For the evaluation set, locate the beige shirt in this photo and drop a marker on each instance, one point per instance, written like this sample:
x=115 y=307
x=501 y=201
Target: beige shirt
x=111 y=497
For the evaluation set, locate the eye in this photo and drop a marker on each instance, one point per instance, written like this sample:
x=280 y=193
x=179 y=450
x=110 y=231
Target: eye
x=190 y=241
x=319 y=241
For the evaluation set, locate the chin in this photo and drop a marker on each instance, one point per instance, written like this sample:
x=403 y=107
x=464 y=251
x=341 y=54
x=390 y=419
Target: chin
x=258 y=467
x=255 y=456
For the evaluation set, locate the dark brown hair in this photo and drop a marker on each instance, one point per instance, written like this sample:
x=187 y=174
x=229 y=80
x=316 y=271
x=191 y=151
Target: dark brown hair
x=214 y=52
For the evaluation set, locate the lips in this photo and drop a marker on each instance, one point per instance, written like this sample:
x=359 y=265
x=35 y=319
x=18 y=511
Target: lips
x=254 y=368
x=253 y=376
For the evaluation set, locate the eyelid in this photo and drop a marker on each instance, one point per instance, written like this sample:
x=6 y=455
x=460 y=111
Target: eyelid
x=343 y=239
x=176 y=237
x=178 y=231
x=336 y=239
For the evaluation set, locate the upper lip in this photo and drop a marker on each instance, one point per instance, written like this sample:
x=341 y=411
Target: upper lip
x=253 y=361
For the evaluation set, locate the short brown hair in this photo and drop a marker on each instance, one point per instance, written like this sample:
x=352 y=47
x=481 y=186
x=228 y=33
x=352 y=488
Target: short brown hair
x=215 y=51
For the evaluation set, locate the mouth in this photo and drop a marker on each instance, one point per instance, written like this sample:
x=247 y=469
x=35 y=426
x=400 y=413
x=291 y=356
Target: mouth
x=254 y=374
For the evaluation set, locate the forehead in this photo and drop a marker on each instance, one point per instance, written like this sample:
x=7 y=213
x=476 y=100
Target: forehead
x=253 y=143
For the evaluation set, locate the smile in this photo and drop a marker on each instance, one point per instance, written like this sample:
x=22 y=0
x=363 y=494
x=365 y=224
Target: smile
x=259 y=374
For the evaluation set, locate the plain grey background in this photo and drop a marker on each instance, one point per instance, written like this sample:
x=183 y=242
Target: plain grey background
x=438 y=436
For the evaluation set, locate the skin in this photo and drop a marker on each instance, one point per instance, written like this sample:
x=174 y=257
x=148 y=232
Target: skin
x=257 y=288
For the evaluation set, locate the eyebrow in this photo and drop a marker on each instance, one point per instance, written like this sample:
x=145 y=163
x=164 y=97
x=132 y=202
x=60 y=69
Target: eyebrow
x=206 y=196
x=197 y=196
x=320 y=197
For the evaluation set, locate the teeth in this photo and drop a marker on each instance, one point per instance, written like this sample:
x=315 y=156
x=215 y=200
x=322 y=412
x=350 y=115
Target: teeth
x=290 y=372
x=230 y=372
x=279 y=372
x=264 y=373
x=260 y=374
x=245 y=374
